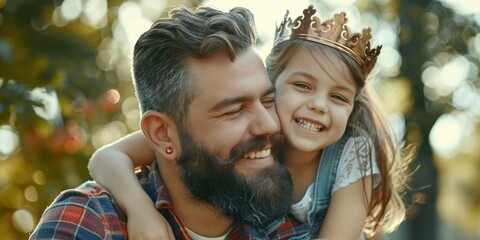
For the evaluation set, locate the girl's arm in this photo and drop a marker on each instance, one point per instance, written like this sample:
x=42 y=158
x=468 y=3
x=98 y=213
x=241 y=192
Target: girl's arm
x=348 y=210
x=112 y=166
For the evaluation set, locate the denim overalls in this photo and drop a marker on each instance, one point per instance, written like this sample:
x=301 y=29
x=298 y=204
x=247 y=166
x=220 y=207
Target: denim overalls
x=324 y=181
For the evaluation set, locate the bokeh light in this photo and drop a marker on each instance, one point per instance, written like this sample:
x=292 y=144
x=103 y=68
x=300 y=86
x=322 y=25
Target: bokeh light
x=31 y=194
x=95 y=13
x=71 y=9
x=390 y=61
x=131 y=111
x=442 y=81
x=112 y=96
x=463 y=7
x=131 y=24
x=9 y=140
x=108 y=133
x=23 y=220
x=451 y=131
x=39 y=177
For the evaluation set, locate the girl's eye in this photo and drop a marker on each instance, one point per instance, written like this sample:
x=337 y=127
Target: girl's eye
x=302 y=85
x=340 y=97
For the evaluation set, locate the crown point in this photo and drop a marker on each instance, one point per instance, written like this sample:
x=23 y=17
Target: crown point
x=333 y=32
x=309 y=11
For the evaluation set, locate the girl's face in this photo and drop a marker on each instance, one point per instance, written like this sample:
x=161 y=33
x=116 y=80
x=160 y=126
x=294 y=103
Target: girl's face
x=315 y=96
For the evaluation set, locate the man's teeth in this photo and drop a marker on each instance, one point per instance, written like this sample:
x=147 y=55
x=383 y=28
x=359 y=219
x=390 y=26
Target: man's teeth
x=309 y=125
x=258 y=154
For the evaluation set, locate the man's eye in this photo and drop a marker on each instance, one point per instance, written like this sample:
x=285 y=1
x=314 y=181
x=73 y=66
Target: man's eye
x=234 y=112
x=268 y=102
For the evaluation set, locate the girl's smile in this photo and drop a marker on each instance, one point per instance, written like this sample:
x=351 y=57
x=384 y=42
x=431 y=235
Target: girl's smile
x=310 y=125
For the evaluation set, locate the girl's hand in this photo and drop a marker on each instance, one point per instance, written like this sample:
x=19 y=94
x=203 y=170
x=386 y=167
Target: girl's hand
x=148 y=223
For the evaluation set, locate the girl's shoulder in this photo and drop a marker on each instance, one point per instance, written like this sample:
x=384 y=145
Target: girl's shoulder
x=357 y=160
x=357 y=134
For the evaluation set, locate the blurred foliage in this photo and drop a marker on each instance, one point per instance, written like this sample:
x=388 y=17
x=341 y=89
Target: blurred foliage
x=455 y=37
x=53 y=98
x=54 y=151
x=65 y=90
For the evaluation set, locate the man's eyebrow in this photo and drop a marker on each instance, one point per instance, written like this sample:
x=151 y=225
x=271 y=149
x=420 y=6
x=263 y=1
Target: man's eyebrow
x=269 y=91
x=235 y=100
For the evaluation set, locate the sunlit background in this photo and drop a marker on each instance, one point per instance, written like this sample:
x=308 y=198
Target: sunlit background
x=65 y=90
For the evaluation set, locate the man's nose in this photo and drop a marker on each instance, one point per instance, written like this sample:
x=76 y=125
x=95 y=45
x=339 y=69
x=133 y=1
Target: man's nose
x=264 y=123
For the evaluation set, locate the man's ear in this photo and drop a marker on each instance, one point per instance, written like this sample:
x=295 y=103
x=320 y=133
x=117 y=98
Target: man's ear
x=161 y=133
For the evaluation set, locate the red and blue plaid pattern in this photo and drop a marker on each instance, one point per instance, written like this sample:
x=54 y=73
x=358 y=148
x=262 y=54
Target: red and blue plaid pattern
x=90 y=212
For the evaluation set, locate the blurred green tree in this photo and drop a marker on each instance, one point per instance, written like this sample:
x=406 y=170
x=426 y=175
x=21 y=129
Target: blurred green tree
x=41 y=63
x=419 y=120
x=54 y=97
x=436 y=35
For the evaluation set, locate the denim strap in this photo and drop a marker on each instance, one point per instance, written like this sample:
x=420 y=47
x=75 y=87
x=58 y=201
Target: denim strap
x=324 y=181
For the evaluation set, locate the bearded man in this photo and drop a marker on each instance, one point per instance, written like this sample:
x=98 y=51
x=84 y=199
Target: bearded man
x=208 y=113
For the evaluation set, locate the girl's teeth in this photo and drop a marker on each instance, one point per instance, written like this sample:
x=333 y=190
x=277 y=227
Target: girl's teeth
x=309 y=125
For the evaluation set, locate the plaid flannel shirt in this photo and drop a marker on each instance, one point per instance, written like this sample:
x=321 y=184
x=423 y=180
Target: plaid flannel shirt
x=90 y=212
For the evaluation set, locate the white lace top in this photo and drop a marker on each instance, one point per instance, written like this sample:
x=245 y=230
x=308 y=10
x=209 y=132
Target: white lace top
x=350 y=168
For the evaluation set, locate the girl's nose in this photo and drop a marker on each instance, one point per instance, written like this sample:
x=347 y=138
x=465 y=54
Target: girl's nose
x=318 y=104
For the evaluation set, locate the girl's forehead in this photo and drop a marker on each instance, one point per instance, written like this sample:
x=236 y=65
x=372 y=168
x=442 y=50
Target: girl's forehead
x=317 y=60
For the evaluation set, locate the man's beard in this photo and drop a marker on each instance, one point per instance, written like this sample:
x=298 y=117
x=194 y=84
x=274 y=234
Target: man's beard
x=254 y=200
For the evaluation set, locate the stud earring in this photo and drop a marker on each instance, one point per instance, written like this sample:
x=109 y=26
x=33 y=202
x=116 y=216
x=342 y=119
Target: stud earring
x=169 y=150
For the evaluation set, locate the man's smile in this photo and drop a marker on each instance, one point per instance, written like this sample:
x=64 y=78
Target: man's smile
x=258 y=154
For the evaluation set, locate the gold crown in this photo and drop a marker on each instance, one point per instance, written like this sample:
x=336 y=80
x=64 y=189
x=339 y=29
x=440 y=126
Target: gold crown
x=334 y=33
